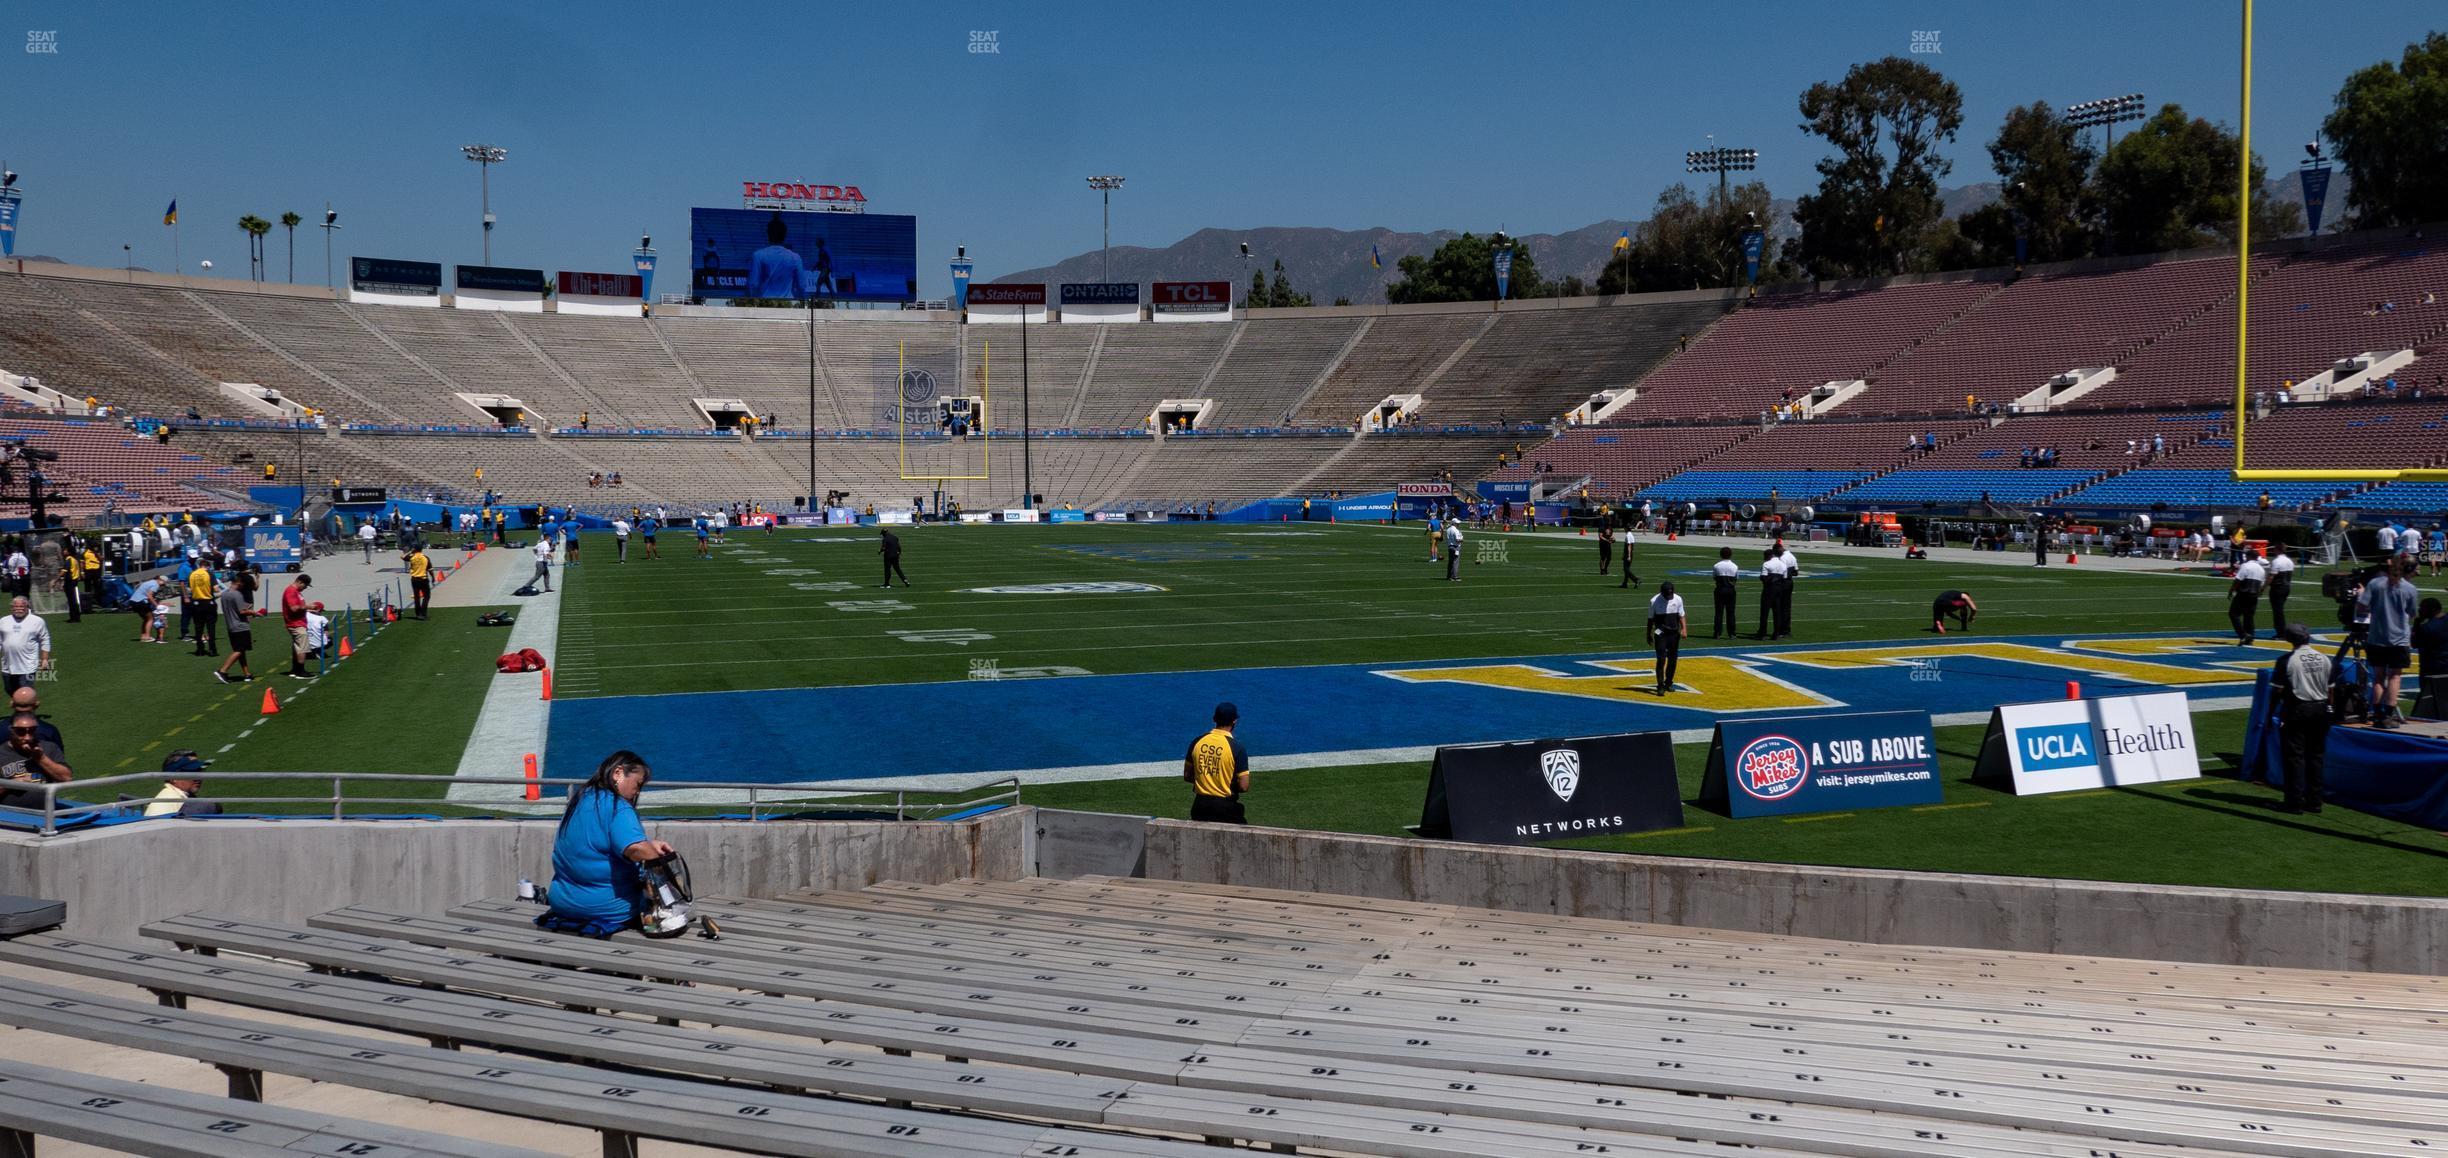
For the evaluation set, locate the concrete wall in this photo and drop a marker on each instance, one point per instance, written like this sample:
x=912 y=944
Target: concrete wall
x=116 y=879
x=2156 y=922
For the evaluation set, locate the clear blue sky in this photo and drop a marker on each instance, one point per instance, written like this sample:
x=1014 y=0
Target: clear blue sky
x=620 y=116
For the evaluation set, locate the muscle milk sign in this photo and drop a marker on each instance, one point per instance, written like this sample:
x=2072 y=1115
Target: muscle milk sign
x=2067 y=745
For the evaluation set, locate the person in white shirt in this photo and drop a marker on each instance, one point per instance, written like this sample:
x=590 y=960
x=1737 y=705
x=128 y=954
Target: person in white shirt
x=1667 y=627
x=1453 y=552
x=542 y=581
x=365 y=539
x=1771 y=573
x=2388 y=540
x=318 y=631
x=1725 y=574
x=20 y=573
x=1629 y=578
x=620 y=539
x=25 y=645
x=1790 y=569
x=2281 y=583
x=2244 y=598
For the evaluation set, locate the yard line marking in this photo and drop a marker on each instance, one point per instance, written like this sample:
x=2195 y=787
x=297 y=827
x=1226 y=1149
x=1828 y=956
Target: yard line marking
x=1820 y=817
x=195 y=717
x=1945 y=807
x=174 y=731
x=226 y=747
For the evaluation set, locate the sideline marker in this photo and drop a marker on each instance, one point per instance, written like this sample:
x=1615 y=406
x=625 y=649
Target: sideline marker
x=547 y=684
x=2073 y=690
x=535 y=789
x=271 y=704
x=345 y=650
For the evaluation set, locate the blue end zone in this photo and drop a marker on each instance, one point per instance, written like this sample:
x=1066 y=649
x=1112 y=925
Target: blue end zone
x=1099 y=727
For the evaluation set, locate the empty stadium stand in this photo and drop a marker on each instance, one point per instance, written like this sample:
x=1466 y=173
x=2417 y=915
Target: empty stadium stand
x=1800 y=341
x=1141 y=1017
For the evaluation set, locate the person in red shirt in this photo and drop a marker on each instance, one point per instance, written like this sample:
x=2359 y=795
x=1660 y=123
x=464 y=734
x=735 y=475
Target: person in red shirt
x=293 y=617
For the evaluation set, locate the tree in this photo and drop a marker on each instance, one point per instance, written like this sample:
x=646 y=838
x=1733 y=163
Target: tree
x=290 y=221
x=255 y=228
x=1879 y=193
x=2171 y=184
x=1690 y=244
x=2046 y=169
x=2390 y=129
x=1463 y=270
x=1278 y=296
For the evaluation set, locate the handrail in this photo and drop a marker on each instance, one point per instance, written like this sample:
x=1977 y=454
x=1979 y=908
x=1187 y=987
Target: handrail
x=977 y=792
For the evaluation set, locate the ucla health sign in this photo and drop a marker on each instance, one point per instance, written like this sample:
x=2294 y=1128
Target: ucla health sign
x=1799 y=764
x=2068 y=745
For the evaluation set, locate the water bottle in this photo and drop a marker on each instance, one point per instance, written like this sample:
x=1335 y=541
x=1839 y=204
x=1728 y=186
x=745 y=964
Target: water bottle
x=526 y=890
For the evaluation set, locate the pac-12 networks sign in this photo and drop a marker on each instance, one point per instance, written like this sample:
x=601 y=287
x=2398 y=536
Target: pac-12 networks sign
x=1779 y=767
x=801 y=195
x=1191 y=297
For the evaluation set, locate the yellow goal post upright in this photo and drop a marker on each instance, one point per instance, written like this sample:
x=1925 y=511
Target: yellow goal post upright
x=909 y=394
x=2243 y=407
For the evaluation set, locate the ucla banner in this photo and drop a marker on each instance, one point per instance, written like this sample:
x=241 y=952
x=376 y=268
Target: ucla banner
x=645 y=271
x=2315 y=180
x=1525 y=791
x=1504 y=271
x=1801 y=764
x=960 y=283
x=9 y=200
x=1752 y=241
x=2068 y=745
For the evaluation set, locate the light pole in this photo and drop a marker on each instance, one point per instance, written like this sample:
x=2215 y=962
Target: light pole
x=2105 y=113
x=1245 y=268
x=130 y=251
x=486 y=156
x=331 y=221
x=1720 y=162
x=1106 y=184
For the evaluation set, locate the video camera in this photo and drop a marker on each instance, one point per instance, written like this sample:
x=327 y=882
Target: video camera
x=2342 y=585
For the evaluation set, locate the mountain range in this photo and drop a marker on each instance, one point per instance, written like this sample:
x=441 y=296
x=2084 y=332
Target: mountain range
x=1328 y=264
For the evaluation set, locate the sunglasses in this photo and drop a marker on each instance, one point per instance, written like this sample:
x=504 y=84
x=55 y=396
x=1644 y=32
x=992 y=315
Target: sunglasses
x=17 y=731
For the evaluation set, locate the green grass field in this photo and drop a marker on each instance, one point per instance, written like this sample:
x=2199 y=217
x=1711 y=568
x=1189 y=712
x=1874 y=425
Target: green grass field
x=792 y=609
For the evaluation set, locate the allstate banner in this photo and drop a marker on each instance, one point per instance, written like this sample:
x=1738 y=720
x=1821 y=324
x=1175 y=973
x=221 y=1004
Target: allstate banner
x=1800 y=764
x=1752 y=241
x=2068 y=745
x=1524 y=791
x=2315 y=193
x=9 y=201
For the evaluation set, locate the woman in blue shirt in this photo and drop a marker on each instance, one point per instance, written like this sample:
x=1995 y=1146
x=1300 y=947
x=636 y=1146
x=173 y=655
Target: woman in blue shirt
x=595 y=883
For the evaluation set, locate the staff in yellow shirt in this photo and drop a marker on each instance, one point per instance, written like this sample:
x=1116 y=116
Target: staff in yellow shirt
x=420 y=579
x=1217 y=768
x=72 y=582
x=201 y=589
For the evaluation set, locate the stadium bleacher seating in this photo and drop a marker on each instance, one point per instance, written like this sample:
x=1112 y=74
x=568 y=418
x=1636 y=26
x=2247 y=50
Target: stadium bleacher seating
x=2198 y=488
x=1800 y=341
x=1792 y=486
x=2423 y=498
x=2011 y=487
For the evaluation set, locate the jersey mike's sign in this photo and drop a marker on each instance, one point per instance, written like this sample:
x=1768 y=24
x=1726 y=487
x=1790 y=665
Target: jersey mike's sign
x=1799 y=764
x=1526 y=791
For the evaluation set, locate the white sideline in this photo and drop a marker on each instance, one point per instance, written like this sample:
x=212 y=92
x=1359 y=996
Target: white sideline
x=512 y=721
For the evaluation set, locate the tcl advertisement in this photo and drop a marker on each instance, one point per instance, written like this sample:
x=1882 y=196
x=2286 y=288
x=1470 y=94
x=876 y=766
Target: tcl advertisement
x=1191 y=297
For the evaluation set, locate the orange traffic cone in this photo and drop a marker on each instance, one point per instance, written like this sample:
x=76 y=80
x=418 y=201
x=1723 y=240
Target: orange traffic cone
x=345 y=651
x=271 y=704
x=547 y=683
x=535 y=791
x=391 y=615
x=2069 y=558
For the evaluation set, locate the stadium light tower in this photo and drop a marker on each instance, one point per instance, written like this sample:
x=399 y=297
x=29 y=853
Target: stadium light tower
x=2106 y=113
x=1106 y=184
x=1720 y=162
x=486 y=156
x=331 y=221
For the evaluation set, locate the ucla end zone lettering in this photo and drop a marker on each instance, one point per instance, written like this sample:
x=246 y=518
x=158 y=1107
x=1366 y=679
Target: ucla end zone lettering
x=1831 y=763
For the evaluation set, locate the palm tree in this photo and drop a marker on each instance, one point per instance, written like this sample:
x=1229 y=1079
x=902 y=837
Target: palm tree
x=255 y=228
x=290 y=221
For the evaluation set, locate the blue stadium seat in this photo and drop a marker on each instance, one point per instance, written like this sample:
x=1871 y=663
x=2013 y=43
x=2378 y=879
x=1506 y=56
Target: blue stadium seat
x=2196 y=488
x=1962 y=486
x=1796 y=485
